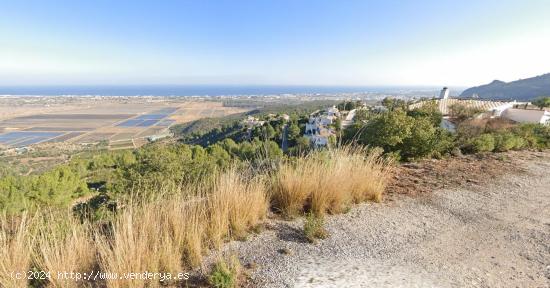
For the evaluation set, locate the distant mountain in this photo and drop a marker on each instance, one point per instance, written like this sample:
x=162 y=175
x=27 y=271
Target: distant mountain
x=521 y=90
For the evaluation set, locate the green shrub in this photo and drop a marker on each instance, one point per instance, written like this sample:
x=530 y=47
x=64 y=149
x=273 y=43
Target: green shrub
x=483 y=143
x=224 y=274
x=411 y=137
x=508 y=141
x=314 y=227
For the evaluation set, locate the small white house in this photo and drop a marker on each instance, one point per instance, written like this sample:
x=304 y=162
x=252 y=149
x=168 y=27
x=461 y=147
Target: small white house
x=312 y=128
x=527 y=115
x=252 y=122
x=333 y=112
x=319 y=141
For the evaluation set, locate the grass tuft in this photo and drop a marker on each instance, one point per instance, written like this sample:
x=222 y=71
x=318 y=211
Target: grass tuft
x=314 y=228
x=330 y=181
x=225 y=274
x=15 y=254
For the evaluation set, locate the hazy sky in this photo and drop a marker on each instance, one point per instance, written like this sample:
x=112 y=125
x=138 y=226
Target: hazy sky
x=273 y=42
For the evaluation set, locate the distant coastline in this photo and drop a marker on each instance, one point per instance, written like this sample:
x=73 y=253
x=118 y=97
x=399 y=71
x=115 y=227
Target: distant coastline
x=203 y=90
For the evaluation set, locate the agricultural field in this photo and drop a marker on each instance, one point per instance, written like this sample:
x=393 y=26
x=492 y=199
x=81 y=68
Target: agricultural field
x=87 y=120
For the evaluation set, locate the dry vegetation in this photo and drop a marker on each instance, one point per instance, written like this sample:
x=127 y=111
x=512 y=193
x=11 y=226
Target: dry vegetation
x=173 y=233
x=431 y=174
x=330 y=182
x=14 y=249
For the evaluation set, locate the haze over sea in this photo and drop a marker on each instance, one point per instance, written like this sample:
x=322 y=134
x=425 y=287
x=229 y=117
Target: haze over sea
x=204 y=90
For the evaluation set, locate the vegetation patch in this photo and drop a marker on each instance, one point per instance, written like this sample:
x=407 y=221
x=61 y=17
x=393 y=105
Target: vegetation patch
x=329 y=181
x=314 y=227
x=225 y=273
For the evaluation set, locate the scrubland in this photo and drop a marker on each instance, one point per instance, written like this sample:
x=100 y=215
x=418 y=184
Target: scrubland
x=172 y=232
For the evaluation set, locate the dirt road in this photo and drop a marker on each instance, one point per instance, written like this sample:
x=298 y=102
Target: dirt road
x=494 y=233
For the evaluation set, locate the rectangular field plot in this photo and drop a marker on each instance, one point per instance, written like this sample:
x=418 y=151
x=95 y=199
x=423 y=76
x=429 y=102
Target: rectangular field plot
x=138 y=123
x=152 y=131
x=166 y=123
x=59 y=129
x=65 y=137
x=74 y=117
x=147 y=123
x=95 y=137
x=122 y=136
x=22 y=138
x=168 y=110
x=126 y=144
x=151 y=116
x=129 y=123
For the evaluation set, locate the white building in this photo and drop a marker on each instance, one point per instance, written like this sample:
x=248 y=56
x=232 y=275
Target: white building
x=312 y=128
x=349 y=118
x=319 y=141
x=252 y=122
x=444 y=93
x=333 y=112
x=527 y=115
x=318 y=129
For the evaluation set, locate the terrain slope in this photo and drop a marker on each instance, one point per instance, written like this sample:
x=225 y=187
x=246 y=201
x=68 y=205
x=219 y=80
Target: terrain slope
x=493 y=232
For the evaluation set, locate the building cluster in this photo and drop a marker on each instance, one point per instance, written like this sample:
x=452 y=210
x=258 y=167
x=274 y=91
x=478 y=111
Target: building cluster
x=319 y=128
x=251 y=122
x=516 y=111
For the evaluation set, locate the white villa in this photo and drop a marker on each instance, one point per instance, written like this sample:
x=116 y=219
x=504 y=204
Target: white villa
x=527 y=115
x=317 y=128
x=251 y=122
x=333 y=112
x=495 y=108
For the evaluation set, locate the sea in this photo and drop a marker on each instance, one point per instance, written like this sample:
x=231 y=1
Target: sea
x=206 y=90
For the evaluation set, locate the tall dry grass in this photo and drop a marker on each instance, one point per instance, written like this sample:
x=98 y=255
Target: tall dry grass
x=244 y=200
x=131 y=246
x=330 y=181
x=15 y=254
x=173 y=232
x=63 y=244
x=169 y=234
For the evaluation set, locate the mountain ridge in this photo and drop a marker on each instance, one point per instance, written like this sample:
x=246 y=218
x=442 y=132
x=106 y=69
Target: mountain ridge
x=524 y=89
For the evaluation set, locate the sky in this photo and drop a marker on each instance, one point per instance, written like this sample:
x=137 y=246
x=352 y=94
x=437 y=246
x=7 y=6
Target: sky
x=278 y=42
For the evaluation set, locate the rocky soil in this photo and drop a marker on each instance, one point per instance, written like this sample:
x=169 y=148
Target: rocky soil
x=487 y=226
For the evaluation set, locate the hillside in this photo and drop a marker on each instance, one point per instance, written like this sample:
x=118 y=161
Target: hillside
x=468 y=232
x=521 y=90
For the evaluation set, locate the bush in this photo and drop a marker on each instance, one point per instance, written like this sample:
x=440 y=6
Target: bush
x=535 y=135
x=503 y=137
x=508 y=141
x=225 y=275
x=483 y=143
x=412 y=137
x=314 y=227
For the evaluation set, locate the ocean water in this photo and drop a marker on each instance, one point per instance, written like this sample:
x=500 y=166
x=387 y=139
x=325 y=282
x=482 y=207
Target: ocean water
x=201 y=90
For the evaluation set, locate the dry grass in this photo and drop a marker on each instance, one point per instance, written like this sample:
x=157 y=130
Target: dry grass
x=132 y=246
x=245 y=201
x=330 y=181
x=63 y=245
x=173 y=232
x=15 y=254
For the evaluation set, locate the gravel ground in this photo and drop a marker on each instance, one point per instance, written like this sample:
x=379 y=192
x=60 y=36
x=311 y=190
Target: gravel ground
x=494 y=233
